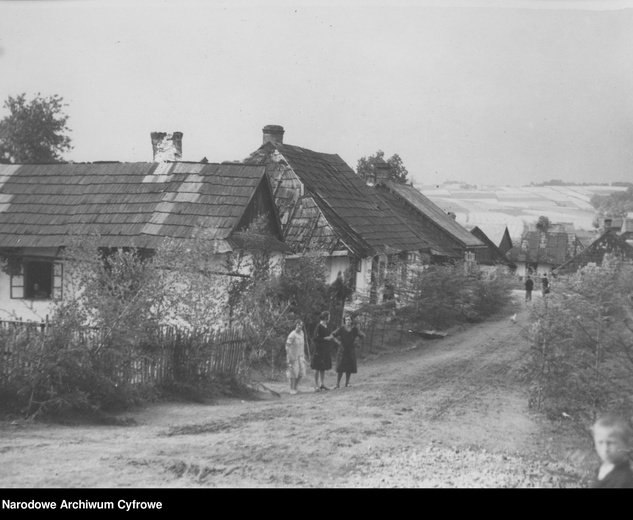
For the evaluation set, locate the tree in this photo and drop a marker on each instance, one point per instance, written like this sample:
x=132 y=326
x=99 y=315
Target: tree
x=34 y=131
x=366 y=167
x=617 y=204
x=543 y=223
x=581 y=359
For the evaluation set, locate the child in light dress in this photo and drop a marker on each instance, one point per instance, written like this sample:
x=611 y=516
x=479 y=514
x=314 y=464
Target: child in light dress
x=295 y=357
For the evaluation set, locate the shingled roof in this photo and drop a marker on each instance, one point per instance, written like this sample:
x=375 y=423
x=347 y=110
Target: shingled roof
x=607 y=243
x=494 y=255
x=359 y=218
x=430 y=210
x=127 y=204
x=435 y=246
x=552 y=247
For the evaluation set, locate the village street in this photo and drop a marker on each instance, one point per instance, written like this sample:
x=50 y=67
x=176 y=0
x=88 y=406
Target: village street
x=446 y=413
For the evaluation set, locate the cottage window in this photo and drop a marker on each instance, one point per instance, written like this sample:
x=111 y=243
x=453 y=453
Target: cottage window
x=37 y=280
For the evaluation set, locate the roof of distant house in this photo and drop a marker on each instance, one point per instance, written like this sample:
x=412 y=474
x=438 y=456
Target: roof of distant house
x=495 y=232
x=554 y=246
x=496 y=255
x=622 y=225
x=607 y=243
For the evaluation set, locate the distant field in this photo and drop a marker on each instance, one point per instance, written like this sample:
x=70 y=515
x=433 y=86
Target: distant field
x=517 y=206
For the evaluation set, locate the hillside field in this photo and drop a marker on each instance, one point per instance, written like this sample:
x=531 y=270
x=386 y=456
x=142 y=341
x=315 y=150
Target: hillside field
x=516 y=207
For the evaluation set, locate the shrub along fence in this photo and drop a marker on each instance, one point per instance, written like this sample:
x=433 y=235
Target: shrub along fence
x=172 y=354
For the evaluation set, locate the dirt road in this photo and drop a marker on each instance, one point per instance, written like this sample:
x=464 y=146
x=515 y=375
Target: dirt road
x=446 y=413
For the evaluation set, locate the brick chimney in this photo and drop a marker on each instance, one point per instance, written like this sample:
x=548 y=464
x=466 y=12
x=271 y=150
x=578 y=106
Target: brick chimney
x=383 y=170
x=607 y=224
x=167 y=147
x=273 y=134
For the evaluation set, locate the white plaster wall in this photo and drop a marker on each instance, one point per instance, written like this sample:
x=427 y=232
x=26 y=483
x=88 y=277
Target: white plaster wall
x=38 y=310
x=276 y=262
x=363 y=278
x=336 y=264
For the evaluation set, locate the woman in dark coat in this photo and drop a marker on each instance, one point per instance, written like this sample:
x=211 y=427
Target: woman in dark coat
x=321 y=359
x=346 y=355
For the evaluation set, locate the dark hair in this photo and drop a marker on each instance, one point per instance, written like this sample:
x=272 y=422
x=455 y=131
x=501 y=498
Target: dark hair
x=325 y=315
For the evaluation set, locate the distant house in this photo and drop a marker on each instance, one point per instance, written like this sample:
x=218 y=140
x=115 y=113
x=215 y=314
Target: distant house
x=622 y=227
x=541 y=251
x=610 y=243
x=129 y=205
x=494 y=254
x=498 y=234
x=325 y=207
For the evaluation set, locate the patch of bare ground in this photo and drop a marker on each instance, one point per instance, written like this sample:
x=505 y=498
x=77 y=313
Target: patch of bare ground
x=423 y=413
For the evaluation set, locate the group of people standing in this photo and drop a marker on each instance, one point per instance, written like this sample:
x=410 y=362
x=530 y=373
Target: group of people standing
x=321 y=357
x=529 y=286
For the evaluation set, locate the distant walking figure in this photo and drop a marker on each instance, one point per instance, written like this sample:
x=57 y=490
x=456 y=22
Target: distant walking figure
x=322 y=358
x=529 y=285
x=346 y=355
x=545 y=284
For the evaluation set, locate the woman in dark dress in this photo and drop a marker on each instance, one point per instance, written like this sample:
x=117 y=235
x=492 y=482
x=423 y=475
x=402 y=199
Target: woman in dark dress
x=346 y=355
x=321 y=359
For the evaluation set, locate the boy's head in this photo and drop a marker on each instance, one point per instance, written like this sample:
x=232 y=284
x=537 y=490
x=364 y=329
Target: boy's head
x=612 y=438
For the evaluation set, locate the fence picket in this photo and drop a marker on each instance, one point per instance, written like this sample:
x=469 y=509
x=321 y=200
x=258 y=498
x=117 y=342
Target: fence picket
x=177 y=352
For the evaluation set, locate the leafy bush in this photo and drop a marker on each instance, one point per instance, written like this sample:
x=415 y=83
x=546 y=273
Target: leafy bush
x=442 y=295
x=581 y=359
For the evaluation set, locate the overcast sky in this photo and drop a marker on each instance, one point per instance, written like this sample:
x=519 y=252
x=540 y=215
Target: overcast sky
x=467 y=91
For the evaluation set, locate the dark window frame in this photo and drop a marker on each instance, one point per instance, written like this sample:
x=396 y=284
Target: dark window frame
x=22 y=284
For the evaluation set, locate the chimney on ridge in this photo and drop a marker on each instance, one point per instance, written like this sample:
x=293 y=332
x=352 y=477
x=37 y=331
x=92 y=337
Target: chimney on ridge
x=274 y=134
x=607 y=224
x=383 y=171
x=167 y=147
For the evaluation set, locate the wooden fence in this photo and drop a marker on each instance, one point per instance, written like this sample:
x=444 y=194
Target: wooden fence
x=13 y=334
x=381 y=330
x=172 y=354
x=180 y=354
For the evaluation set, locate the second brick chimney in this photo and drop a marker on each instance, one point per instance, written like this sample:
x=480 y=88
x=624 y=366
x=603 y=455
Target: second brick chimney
x=382 y=170
x=273 y=134
x=167 y=147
